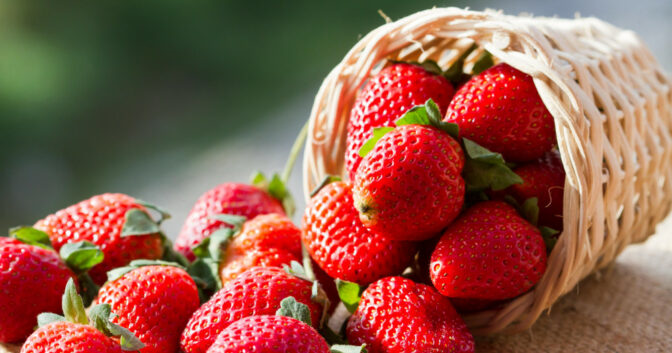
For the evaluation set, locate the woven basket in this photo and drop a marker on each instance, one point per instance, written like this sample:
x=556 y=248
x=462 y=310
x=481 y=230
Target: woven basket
x=612 y=106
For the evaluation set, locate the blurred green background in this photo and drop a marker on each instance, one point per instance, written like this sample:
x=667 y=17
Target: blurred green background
x=162 y=98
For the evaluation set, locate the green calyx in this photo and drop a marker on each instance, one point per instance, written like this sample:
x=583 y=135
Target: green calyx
x=277 y=188
x=484 y=169
x=350 y=294
x=550 y=236
x=427 y=114
x=117 y=273
x=100 y=318
x=291 y=308
x=80 y=257
x=31 y=236
x=209 y=253
x=305 y=272
x=529 y=210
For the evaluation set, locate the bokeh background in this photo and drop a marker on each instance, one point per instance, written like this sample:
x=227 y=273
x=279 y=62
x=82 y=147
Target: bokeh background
x=164 y=99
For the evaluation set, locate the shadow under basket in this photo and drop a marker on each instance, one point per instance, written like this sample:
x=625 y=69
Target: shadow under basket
x=611 y=103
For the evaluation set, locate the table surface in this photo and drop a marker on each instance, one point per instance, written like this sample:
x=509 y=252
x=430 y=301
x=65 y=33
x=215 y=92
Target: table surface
x=624 y=308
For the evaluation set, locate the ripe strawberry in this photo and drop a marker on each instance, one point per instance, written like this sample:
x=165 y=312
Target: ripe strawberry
x=67 y=337
x=32 y=280
x=490 y=252
x=101 y=220
x=257 y=291
x=500 y=109
x=386 y=97
x=228 y=198
x=270 y=240
x=78 y=333
x=269 y=334
x=409 y=186
x=545 y=180
x=396 y=315
x=154 y=302
x=339 y=243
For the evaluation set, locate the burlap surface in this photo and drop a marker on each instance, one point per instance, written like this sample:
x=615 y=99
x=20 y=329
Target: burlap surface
x=625 y=308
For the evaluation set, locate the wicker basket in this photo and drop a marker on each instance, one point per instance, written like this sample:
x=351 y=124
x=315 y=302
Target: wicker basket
x=612 y=106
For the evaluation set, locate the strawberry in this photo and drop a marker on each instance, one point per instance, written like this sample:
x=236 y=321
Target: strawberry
x=228 y=198
x=152 y=301
x=257 y=291
x=270 y=240
x=118 y=224
x=32 y=280
x=545 y=180
x=269 y=334
x=501 y=110
x=397 y=315
x=385 y=97
x=409 y=185
x=67 y=337
x=490 y=253
x=77 y=333
x=339 y=243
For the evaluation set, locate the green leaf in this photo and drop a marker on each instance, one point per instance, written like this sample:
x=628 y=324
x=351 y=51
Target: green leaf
x=485 y=169
x=530 y=210
x=73 y=307
x=163 y=214
x=170 y=255
x=350 y=294
x=297 y=270
x=428 y=114
x=31 y=236
x=45 y=319
x=331 y=337
x=550 y=237
x=326 y=181
x=259 y=180
x=483 y=63
x=101 y=319
x=88 y=288
x=205 y=273
x=378 y=133
x=341 y=348
x=291 y=308
x=81 y=256
x=211 y=247
x=138 y=222
x=276 y=188
x=235 y=221
x=118 y=272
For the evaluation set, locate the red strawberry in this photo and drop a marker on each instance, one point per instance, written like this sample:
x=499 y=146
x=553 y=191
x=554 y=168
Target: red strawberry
x=32 y=281
x=545 y=180
x=101 y=220
x=67 y=337
x=257 y=291
x=229 y=198
x=396 y=315
x=342 y=246
x=153 y=302
x=386 y=97
x=490 y=252
x=269 y=334
x=501 y=110
x=270 y=240
x=409 y=186
x=78 y=333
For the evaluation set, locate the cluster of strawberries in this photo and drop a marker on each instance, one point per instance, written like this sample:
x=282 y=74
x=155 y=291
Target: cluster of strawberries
x=436 y=216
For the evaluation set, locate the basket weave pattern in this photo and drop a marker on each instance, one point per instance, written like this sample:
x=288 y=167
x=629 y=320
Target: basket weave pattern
x=612 y=106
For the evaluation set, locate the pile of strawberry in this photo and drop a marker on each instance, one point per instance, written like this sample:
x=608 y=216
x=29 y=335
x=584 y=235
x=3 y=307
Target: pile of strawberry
x=454 y=199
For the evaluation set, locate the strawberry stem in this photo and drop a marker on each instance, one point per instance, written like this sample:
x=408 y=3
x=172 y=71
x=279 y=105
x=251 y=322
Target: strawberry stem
x=294 y=153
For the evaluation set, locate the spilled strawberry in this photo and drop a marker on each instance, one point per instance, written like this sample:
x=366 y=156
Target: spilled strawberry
x=489 y=253
x=75 y=332
x=154 y=300
x=385 y=97
x=396 y=315
x=501 y=110
x=409 y=185
x=339 y=243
